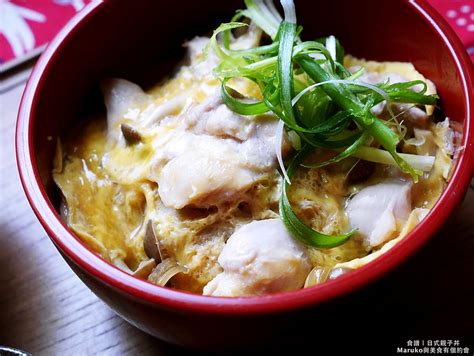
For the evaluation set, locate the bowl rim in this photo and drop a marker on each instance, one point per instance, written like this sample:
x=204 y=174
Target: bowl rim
x=89 y=261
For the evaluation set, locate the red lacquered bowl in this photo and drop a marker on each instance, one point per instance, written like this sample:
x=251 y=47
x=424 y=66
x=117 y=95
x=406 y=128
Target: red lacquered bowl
x=139 y=42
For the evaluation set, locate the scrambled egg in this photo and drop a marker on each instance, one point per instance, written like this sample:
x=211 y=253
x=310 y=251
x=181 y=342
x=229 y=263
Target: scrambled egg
x=198 y=178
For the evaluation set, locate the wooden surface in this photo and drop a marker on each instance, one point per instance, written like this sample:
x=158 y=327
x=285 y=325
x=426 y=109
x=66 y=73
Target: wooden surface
x=46 y=309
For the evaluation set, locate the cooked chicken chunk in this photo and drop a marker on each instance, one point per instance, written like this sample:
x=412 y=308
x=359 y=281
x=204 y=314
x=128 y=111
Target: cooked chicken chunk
x=257 y=134
x=214 y=118
x=415 y=217
x=215 y=156
x=260 y=258
x=201 y=66
x=198 y=151
x=202 y=180
x=204 y=170
x=380 y=210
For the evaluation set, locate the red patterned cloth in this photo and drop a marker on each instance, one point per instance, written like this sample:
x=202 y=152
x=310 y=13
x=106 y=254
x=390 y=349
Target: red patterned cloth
x=27 y=25
x=460 y=15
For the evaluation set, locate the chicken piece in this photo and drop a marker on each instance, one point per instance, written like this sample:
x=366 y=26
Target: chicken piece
x=380 y=210
x=215 y=156
x=376 y=78
x=200 y=65
x=213 y=117
x=203 y=170
x=415 y=217
x=202 y=180
x=260 y=258
x=195 y=49
x=198 y=151
x=257 y=134
x=260 y=150
x=225 y=123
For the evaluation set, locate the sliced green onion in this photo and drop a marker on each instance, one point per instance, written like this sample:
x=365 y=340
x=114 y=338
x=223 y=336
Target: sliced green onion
x=349 y=151
x=226 y=36
x=348 y=101
x=376 y=155
x=295 y=140
x=334 y=125
x=331 y=46
x=263 y=15
x=240 y=107
x=272 y=9
x=295 y=226
x=375 y=88
x=213 y=41
x=308 y=47
x=411 y=97
x=289 y=10
x=407 y=85
x=285 y=69
x=306 y=85
x=333 y=144
x=278 y=145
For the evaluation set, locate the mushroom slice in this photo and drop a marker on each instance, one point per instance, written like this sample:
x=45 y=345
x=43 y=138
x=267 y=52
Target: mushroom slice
x=151 y=243
x=63 y=209
x=145 y=268
x=164 y=271
x=131 y=135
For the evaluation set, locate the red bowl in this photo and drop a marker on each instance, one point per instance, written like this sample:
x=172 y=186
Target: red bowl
x=113 y=39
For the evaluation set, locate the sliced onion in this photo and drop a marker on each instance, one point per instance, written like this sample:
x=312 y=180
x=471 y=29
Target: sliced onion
x=323 y=274
x=338 y=271
x=164 y=271
x=317 y=275
x=145 y=268
x=416 y=141
x=295 y=140
x=278 y=144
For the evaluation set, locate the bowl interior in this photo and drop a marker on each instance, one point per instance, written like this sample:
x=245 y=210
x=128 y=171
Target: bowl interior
x=145 y=46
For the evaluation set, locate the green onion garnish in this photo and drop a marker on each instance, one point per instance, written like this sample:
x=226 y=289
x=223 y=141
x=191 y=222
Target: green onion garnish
x=295 y=226
x=322 y=104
